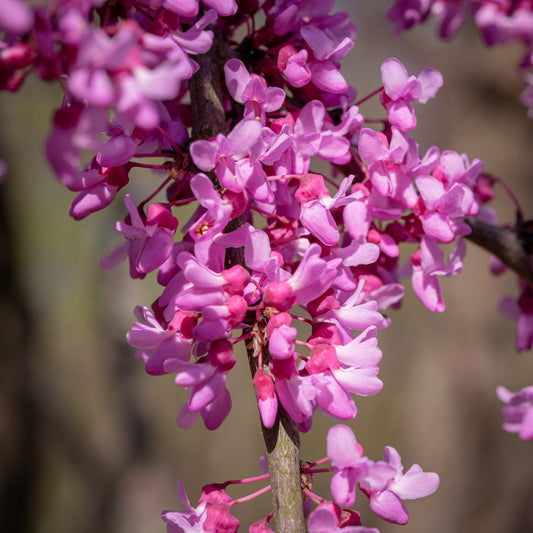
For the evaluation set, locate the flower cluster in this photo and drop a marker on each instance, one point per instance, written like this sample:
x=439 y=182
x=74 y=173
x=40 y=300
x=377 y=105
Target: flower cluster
x=271 y=243
x=383 y=482
x=499 y=21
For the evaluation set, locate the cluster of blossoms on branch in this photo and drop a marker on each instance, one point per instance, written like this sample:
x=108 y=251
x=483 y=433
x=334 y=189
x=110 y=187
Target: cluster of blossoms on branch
x=272 y=242
x=383 y=482
x=499 y=21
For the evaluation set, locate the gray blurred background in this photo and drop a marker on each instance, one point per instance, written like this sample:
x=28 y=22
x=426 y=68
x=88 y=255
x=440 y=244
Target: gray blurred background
x=89 y=442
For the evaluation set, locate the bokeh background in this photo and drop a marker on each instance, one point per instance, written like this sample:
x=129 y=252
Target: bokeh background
x=88 y=440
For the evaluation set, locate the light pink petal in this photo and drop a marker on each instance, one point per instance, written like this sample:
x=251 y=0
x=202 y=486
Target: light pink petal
x=205 y=393
x=326 y=76
x=361 y=381
x=526 y=431
x=117 y=256
x=237 y=78
x=189 y=374
x=343 y=487
x=204 y=154
x=389 y=507
x=243 y=136
x=394 y=76
x=437 y=227
x=401 y=115
x=319 y=221
x=431 y=81
x=216 y=412
x=322 y=520
x=414 y=485
x=428 y=290
x=186 y=418
x=333 y=398
x=342 y=447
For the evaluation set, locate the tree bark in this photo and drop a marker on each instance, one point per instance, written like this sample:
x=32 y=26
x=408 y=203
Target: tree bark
x=505 y=244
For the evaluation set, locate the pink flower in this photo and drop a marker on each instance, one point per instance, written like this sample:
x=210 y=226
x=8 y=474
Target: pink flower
x=149 y=242
x=222 y=153
x=415 y=483
x=206 y=380
x=313 y=276
x=347 y=460
x=157 y=344
x=189 y=521
x=428 y=263
x=521 y=310
x=518 y=412
x=258 y=99
x=399 y=89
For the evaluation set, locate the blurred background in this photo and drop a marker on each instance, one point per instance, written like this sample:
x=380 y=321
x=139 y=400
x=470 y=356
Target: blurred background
x=89 y=441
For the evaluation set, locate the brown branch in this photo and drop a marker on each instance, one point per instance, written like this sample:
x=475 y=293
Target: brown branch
x=283 y=440
x=505 y=244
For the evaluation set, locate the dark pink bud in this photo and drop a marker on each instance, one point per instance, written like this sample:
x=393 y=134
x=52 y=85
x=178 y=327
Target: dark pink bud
x=237 y=308
x=279 y=294
x=267 y=400
x=484 y=187
x=236 y=278
x=263 y=384
x=221 y=355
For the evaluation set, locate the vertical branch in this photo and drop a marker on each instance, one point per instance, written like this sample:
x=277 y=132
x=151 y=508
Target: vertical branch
x=282 y=441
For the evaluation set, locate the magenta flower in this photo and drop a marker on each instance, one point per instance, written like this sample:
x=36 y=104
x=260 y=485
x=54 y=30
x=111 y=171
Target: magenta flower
x=348 y=461
x=189 y=521
x=428 y=263
x=518 y=412
x=157 y=344
x=313 y=276
x=415 y=483
x=293 y=64
x=206 y=381
x=442 y=210
x=258 y=99
x=148 y=242
x=399 y=89
x=521 y=310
